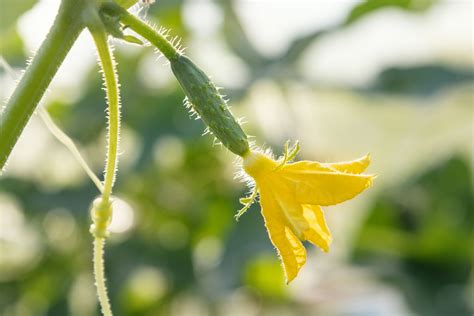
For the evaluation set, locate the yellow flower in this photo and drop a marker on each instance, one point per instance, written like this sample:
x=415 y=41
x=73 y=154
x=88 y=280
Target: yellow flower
x=291 y=195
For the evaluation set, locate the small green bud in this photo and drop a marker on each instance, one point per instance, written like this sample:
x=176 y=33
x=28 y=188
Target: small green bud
x=101 y=213
x=204 y=99
x=110 y=15
x=132 y=39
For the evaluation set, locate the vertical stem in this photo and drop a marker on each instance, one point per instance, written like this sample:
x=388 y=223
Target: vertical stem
x=64 y=32
x=111 y=83
x=99 y=276
x=103 y=210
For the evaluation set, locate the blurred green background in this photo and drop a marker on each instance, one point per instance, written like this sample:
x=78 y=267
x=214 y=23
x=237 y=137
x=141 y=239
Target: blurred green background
x=389 y=77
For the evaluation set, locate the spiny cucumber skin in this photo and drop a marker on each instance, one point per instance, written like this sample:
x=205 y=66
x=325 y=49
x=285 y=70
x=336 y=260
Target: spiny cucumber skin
x=206 y=100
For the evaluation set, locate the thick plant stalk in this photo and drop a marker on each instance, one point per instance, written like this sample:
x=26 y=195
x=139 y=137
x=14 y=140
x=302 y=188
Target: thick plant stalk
x=21 y=105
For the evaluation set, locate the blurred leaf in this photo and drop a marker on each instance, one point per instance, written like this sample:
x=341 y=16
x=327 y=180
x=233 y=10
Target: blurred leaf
x=11 y=11
x=265 y=275
x=426 y=225
x=370 y=6
x=420 y=80
x=168 y=14
x=11 y=44
x=11 y=48
x=236 y=39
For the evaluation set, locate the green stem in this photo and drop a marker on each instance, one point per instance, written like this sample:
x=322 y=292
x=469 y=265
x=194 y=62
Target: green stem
x=142 y=28
x=126 y=3
x=103 y=211
x=111 y=83
x=21 y=105
x=99 y=276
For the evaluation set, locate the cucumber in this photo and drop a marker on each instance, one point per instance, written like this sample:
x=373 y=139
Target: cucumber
x=204 y=99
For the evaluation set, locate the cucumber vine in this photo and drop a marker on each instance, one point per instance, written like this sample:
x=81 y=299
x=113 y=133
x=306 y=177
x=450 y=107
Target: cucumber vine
x=105 y=19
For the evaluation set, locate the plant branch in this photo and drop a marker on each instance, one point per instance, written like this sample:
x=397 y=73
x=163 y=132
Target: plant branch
x=112 y=89
x=69 y=143
x=38 y=75
x=156 y=38
x=102 y=211
x=100 y=277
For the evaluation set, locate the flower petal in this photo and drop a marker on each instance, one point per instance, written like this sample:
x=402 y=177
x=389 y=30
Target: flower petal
x=297 y=251
x=304 y=165
x=317 y=233
x=313 y=186
x=355 y=166
x=289 y=247
x=307 y=222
